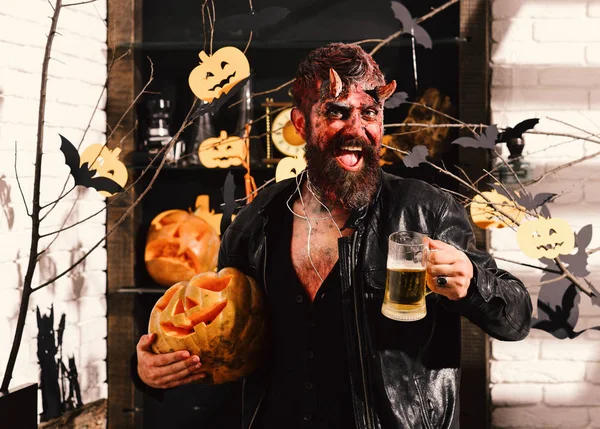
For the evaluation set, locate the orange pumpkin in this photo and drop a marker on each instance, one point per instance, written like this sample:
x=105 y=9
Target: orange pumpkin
x=180 y=245
x=497 y=213
x=218 y=316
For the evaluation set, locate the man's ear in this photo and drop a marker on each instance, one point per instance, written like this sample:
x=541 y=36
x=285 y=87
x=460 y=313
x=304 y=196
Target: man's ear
x=299 y=122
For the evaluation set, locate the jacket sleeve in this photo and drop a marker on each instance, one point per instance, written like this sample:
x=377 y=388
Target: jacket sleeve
x=497 y=301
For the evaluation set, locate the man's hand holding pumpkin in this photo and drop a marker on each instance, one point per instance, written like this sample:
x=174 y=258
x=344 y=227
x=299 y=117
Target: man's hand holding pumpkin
x=163 y=371
x=447 y=261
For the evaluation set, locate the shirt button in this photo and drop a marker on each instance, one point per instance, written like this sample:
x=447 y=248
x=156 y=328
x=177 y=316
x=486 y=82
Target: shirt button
x=310 y=354
x=307 y=417
x=299 y=299
x=308 y=385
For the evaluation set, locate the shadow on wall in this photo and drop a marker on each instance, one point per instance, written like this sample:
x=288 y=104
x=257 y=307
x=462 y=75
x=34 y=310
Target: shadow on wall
x=8 y=214
x=539 y=71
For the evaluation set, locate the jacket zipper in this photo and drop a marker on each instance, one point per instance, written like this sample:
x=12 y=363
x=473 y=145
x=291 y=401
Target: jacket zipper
x=370 y=424
x=265 y=288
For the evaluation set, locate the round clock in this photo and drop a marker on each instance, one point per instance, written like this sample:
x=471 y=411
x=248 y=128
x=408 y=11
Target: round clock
x=284 y=135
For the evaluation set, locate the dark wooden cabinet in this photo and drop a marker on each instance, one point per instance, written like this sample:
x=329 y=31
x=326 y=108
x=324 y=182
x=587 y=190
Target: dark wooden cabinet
x=170 y=36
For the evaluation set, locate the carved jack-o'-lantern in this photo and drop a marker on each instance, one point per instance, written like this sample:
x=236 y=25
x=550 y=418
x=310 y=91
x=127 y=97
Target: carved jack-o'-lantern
x=106 y=163
x=289 y=167
x=219 y=317
x=180 y=245
x=546 y=238
x=222 y=151
x=485 y=215
x=218 y=73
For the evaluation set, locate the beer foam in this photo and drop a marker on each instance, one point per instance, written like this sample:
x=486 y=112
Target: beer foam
x=405 y=265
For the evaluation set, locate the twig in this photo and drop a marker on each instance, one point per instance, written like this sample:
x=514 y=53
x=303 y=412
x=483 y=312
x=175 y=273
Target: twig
x=283 y=85
x=549 y=270
x=186 y=123
x=561 y=167
x=594 y=250
x=248 y=44
x=77 y=4
x=572 y=278
x=35 y=210
x=19 y=183
x=550 y=281
x=417 y=21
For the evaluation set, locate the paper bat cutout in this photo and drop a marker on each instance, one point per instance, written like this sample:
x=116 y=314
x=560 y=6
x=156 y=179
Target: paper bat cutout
x=518 y=130
x=229 y=200
x=526 y=200
x=254 y=20
x=561 y=320
x=402 y=14
x=416 y=157
x=578 y=262
x=217 y=103
x=396 y=100
x=82 y=174
x=486 y=140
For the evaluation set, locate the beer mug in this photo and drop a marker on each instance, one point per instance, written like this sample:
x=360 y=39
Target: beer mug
x=405 y=286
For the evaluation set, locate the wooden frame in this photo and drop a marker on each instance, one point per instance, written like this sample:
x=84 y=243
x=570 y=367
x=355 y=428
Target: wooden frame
x=124 y=27
x=474 y=88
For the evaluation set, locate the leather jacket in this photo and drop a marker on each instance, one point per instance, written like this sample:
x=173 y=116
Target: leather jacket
x=402 y=375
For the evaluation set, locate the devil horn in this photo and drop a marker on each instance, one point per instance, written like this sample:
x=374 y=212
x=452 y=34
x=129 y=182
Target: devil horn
x=384 y=92
x=335 y=83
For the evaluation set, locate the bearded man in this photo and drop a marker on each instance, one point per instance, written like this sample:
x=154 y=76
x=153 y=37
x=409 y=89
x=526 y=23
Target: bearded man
x=318 y=246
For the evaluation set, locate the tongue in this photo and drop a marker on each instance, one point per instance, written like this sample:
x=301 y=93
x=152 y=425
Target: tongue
x=349 y=158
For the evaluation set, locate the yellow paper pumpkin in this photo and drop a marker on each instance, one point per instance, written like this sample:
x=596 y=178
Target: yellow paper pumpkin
x=485 y=215
x=289 y=167
x=106 y=163
x=546 y=238
x=222 y=151
x=218 y=73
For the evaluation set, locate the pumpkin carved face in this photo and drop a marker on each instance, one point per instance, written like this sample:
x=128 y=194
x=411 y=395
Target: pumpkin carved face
x=222 y=151
x=217 y=316
x=106 y=163
x=180 y=245
x=546 y=238
x=485 y=215
x=218 y=73
x=289 y=167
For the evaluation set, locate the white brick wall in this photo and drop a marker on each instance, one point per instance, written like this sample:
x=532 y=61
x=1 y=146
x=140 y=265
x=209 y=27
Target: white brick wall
x=546 y=63
x=77 y=76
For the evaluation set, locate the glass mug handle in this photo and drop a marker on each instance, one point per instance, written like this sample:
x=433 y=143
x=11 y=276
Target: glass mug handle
x=428 y=251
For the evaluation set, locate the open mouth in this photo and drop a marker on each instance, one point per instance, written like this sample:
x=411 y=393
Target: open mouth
x=350 y=157
x=223 y=82
x=550 y=246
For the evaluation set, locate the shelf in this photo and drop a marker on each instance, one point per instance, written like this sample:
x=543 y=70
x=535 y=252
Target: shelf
x=142 y=290
x=198 y=46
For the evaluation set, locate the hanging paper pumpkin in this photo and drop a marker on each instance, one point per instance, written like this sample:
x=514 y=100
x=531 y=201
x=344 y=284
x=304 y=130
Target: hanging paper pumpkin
x=546 y=238
x=485 y=215
x=218 y=316
x=222 y=151
x=180 y=245
x=106 y=163
x=212 y=218
x=218 y=73
x=289 y=167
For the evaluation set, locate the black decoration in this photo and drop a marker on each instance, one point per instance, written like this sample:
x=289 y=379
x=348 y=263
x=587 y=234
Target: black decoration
x=396 y=100
x=82 y=174
x=254 y=20
x=229 y=200
x=217 y=103
x=517 y=131
x=409 y=26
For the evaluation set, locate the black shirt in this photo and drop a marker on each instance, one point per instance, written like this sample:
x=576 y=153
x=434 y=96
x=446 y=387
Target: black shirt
x=310 y=384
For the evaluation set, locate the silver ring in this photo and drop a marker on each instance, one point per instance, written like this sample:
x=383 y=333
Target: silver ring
x=442 y=280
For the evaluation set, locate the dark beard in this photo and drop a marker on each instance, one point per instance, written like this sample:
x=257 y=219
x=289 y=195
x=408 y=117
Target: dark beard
x=350 y=189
